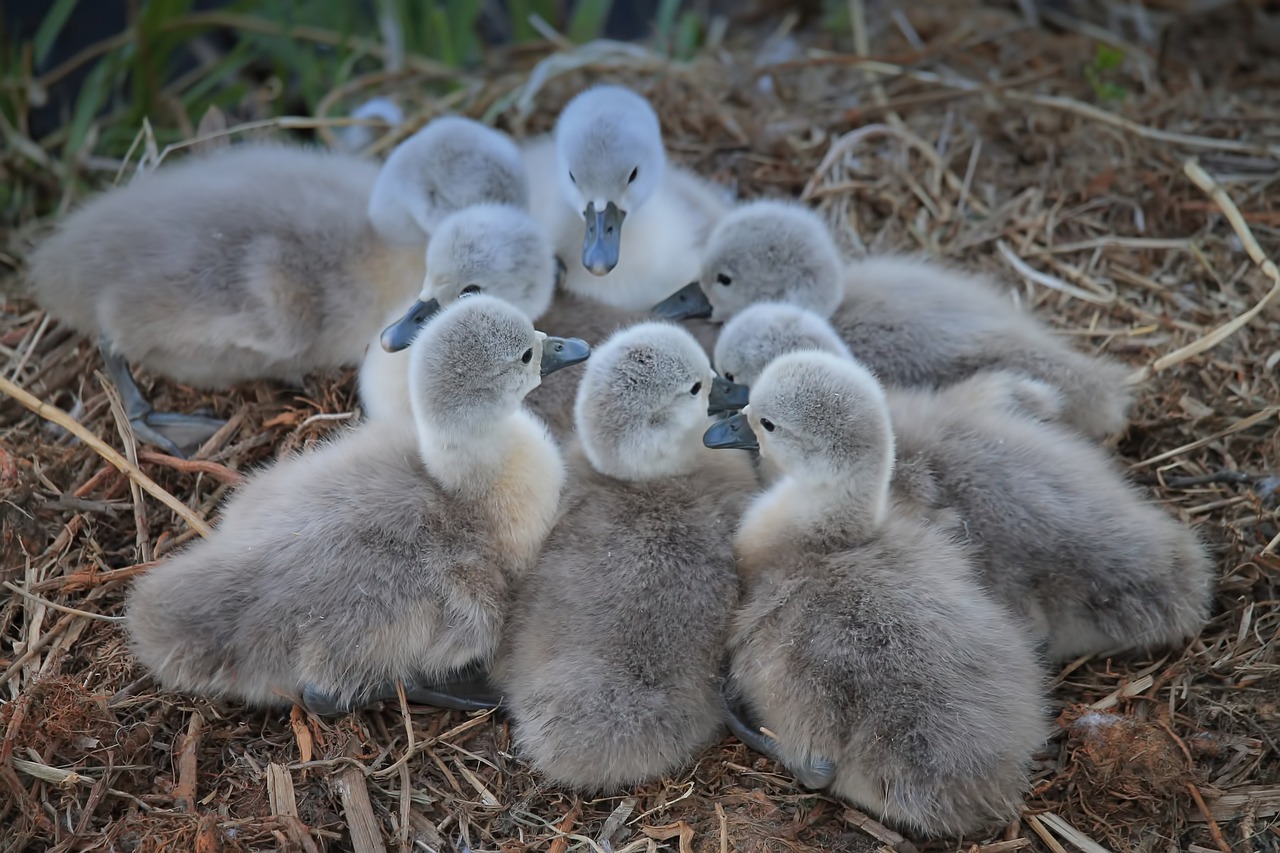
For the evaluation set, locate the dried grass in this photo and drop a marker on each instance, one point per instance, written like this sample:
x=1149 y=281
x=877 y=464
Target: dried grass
x=990 y=150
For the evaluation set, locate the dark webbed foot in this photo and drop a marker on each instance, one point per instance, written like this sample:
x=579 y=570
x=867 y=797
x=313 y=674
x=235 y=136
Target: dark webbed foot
x=816 y=774
x=467 y=689
x=174 y=433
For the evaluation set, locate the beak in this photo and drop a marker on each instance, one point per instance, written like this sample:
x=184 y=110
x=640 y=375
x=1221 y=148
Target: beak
x=729 y=433
x=563 y=352
x=726 y=396
x=603 y=238
x=689 y=301
x=401 y=333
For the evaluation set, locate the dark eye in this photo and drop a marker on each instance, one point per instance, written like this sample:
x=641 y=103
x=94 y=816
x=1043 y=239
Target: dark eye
x=528 y=356
x=724 y=279
x=697 y=386
x=728 y=376
x=572 y=178
x=470 y=289
x=635 y=173
x=767 y=424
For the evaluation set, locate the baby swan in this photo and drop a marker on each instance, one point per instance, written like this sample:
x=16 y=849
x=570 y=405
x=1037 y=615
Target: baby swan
x=451 y=163
x=388 y=554
x=864 y=643
x=605 y=165
x=493 y=249
x=986 y=452
x=257 y=261
x=610 y=667
x=914 y=324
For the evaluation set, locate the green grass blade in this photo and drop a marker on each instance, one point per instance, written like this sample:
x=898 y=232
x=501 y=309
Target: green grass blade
x=93 y=94
x=588 y=20
x=688 y=35
x=47 y=33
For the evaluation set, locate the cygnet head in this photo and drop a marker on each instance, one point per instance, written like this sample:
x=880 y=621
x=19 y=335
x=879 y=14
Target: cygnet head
x=642 y=404
x=611 y=160
x=759 y=334
x=764 y=251
x=495 y=249
x=451 y=163
x=475 y=362
x=821 y=418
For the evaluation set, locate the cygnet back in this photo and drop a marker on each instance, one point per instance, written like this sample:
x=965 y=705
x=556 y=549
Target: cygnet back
x=1087 y=561
x=611 y=664
x=914 y=323
x=252 y=261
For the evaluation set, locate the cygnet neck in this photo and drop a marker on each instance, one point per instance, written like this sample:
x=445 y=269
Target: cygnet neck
x=640 y=464
x=468 y=459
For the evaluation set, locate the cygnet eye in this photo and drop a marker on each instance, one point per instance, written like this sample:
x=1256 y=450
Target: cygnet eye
x=528 y=355
x=697 y=386
x=723 y=279
x=635 y=173
x=727 y=376
x=470 y=289
x=767 y=424
x=572 y=178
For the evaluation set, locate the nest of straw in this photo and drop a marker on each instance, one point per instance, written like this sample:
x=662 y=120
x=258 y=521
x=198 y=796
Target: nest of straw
x=1139 y=228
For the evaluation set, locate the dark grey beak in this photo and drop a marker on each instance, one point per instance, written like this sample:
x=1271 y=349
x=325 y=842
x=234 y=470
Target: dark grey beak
x=729 y=433
x=689 y=301
x=603 y=239
x=401 y=333
x=726 y=396
x=563 y=352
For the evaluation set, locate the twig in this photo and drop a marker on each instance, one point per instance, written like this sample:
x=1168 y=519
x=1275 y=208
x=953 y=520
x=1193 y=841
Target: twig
x=1045 y=835
x=1089 y=111
x=184 y=793
x=62 y=607
x=71 y=425
x=1070 y=833
x=878 y=830
x=1242 y=424
x=219 y=472
x=1204 y=181
x=1208 y=816
x=366 y=837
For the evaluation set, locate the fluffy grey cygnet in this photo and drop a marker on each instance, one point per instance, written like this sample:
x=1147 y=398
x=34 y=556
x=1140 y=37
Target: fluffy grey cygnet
x=1088 y=563
x=611 y=666
x=865 y=644
x=913 y=323
x=388 y=554
x=628 y=225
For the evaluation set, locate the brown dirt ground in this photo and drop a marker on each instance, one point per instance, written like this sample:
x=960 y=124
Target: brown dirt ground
x=990 y=135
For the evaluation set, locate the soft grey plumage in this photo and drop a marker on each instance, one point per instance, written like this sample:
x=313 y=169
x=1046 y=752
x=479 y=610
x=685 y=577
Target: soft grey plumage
x=594 y=322
x=913 y=323
x=387 y=554
x=645 y=219
x=611 y=665
x=864 y=643
x=492 y=249
x=1061 y=538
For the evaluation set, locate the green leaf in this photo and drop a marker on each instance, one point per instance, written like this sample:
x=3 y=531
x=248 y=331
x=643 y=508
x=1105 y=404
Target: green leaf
x=47 y=33
x=688 y=35
x=93 y=94
x=588 y=20
x=1108 y=58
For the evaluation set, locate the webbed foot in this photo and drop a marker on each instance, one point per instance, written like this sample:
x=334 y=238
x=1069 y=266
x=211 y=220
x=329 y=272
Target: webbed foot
x=174 y=433
x=815 y=774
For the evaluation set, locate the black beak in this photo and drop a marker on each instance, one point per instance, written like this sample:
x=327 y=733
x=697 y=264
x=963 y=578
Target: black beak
x=563 y=352
x=729 y=433
x=689 y=301
x=401 y=333
x=603 y=239
x=726 y=396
